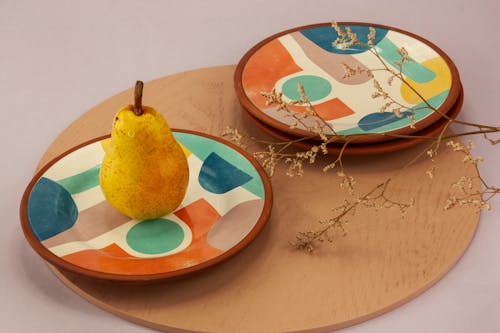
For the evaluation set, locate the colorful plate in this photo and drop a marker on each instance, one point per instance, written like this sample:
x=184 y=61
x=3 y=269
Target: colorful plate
x=355 y=148
x=306 y=55
x=68 y=222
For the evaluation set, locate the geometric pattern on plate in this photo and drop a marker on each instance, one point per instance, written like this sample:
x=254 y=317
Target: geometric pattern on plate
x=307 y=56
x=70 y=216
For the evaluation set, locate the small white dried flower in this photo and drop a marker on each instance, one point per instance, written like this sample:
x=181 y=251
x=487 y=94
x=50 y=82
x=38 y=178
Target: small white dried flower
x=430 y=172
x=404 y=54
x=397 y=112
x=323 y=136
x=385 y=106
x=390 y=80
x=348 y=71
x=413 y=121
x=371 y=36
x=323 y=148
x=338 y=29
x=352 y=36
x=329 y=167
x=377 y=86
x=233 y=135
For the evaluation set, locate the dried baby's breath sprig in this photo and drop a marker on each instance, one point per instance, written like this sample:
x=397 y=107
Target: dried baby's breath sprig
x=274 y=152
x=382 y=201
x=346 y=39
x=371 y=36
x=393 y=105
x=463 y=191
x=318 y=127
x=404 y=58
x=320 y=124
x=274 y=98
x=294 y=161
x=279 y=152
x=352 y=38
x=342 y=35
x=295 y=164
x=350 y=72
x=397 y=112
x=347 y=182
x=375 y=198
x=404 y=54
x=413 y=120
x=430 y=172
x=294 y=167
x=390 y=80
x=232 y=134
x=268 y=159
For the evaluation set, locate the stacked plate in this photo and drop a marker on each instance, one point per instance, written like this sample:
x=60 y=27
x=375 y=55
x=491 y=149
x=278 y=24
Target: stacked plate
x=372 y=118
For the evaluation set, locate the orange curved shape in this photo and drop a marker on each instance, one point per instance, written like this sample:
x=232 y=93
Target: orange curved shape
x=199 y=216
x=328 y=110
x=264 y=68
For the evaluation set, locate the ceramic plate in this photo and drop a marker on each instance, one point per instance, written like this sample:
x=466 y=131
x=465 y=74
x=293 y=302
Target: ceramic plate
x=364 y=148
x=306 y=55
x=69 y=223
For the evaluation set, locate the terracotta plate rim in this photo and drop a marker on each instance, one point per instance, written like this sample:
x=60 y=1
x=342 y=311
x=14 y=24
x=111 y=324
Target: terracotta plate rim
x=364 y=148
x=247 y=104
x=58 y=262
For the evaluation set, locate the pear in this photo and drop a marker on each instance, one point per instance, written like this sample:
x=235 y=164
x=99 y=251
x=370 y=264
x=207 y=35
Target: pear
x=144 y=174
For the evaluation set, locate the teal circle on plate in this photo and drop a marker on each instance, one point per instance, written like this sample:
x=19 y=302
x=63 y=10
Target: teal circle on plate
x=155 y=236
x=315 y=87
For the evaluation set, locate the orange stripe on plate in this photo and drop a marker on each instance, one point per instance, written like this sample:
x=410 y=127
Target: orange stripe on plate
x=200 y=216
x=329 y=110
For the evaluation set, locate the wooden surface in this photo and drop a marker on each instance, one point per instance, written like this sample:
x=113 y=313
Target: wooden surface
x=383 y=261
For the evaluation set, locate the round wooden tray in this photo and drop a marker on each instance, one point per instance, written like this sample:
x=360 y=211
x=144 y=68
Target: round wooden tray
x=383 y=262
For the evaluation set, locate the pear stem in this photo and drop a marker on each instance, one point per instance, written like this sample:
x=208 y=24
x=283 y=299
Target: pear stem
x=138 y=98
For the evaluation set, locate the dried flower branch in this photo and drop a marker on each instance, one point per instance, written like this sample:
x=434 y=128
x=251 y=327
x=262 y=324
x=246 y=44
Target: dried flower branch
x=377 y=198
x=275 y=152
x=344 y=38
x=463 y=191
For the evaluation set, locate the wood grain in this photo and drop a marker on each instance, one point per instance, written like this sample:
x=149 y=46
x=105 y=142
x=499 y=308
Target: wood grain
x=383 y=262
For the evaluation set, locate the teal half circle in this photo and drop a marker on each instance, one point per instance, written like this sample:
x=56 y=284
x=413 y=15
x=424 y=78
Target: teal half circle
x=155 y=236
x=51 y=209
x=315 y=87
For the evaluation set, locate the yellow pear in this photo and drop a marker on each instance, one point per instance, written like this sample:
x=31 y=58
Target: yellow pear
x=144 y=174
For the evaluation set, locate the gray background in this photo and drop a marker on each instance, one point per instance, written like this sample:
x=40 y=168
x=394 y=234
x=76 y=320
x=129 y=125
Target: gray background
x=60 y=58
